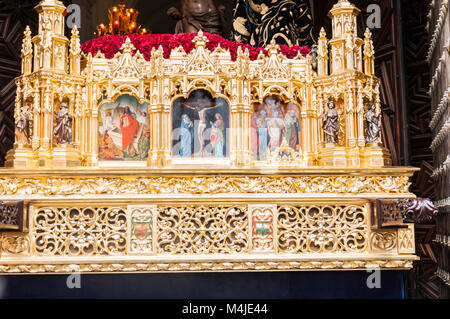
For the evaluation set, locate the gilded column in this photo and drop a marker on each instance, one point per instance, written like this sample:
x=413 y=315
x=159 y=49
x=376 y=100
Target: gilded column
x=45 y=150
x=241 y=113
x=91 y=127
x=234 y=135
x=353 y=154
x=77 y=117
x=309 y=134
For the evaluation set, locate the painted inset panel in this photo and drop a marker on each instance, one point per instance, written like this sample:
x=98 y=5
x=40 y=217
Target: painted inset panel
x=199 y=126
x=274 y=121
x=124 y=130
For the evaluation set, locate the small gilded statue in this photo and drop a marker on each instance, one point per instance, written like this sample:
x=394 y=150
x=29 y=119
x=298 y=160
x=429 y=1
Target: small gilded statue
x=198 y=15
x=331 y=124
x=22 y=132
x=63 y=129
x=373 y=124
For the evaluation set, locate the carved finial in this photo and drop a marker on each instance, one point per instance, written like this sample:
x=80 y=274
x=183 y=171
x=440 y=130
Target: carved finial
x=368 y=44
x=26 y=44
x=128 y=47
x=368 y=34
x=27 y=31
x=75 y=32
x=27 y=52
x=75 y=48
x=200 y=39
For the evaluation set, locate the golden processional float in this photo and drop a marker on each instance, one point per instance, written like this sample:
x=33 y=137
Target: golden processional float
x=199 y=162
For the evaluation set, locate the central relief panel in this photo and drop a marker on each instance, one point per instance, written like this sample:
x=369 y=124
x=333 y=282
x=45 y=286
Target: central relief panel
x=200 y=126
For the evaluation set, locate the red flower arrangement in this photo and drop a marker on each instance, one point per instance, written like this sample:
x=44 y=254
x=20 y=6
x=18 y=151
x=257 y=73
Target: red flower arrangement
x=110 y=45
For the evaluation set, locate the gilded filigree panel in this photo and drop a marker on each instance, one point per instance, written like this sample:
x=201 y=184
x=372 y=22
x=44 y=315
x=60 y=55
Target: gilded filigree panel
x=75 y=231
x=202 y=230
x=322 y=229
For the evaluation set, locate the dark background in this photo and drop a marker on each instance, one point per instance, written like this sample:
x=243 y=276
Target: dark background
x=152 y=14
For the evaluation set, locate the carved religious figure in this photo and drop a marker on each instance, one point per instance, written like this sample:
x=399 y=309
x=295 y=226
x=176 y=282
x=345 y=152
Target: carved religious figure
x=63 y=129
x=373 y=124
x=22 y=132
x=198 y=15
x=331 y=124
x=187 y=136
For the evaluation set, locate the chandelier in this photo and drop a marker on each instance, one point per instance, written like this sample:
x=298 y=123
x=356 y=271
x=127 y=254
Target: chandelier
x=122 y=21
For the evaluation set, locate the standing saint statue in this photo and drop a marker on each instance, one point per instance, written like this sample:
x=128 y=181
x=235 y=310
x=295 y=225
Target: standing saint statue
x=331 y=124
x=198 y=15
x=22 y=132
x=373 y=124
x=63 y=129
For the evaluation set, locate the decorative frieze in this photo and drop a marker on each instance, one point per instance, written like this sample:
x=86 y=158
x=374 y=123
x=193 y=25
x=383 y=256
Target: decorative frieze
x=196 y=185
x=223 y=265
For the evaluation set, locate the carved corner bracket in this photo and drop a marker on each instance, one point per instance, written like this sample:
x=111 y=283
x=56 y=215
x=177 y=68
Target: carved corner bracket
x=396 y=212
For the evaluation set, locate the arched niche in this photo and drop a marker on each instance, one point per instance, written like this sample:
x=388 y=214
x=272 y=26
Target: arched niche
x=200 y=126
x=124 y=133
x=273 y=121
